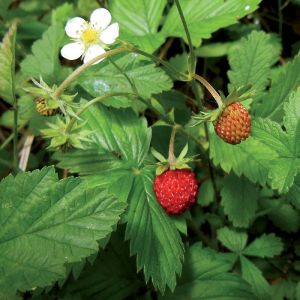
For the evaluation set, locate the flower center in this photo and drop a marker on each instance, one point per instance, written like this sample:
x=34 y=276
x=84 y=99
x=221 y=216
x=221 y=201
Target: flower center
x=89 y=35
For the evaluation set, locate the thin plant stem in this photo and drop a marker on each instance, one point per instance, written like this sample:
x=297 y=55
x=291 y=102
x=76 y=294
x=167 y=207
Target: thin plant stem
x=92 y=102
x=209 y=87
x=192 y=57
x=85 y=66
x=7 y=141
x=210 y=168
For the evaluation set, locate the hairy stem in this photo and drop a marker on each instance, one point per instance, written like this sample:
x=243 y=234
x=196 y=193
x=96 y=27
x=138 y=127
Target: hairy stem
x=171 y=157
x=212 y=91
x=85 y=66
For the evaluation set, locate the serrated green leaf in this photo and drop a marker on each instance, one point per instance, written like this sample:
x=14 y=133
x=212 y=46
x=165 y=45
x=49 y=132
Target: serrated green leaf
x=285 y=167
x=205 y=276
x=46 y=223
x=293 y=195
x=239 y=199
x=153 y=236
x=254 y=276
x=104 y=79
x=283 y=85
x=251 y=158
x=285 y=289
x=139 y=21
x=232 y=240
x=268 y=245
x=205 y=17
x=7 y=65
x=62 y=13
x=206 y=193
x=251 y=61
x=44 y=60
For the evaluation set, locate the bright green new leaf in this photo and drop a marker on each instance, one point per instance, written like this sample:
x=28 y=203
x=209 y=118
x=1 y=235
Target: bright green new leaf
x=107 y=78
x=239 y=199
x=251 y=61
x=139 y=21
x=251 y=158
x=268 y=245
x=232 y=240
x=7 y=65
x=205 y=276
x=254 y=276
x=153 y=236
x=285 y=143
x=205 y=17
x=46 y=223
x=44 y=60
x=273 y=102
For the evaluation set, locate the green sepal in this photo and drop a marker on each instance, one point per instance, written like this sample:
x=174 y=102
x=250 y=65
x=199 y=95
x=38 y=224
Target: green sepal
x=158 y=156
x=239 y=94
x=161 y=169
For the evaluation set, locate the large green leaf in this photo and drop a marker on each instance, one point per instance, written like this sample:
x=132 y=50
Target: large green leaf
x=251 y=61
x=205 y=17
x=239 y=199
x=153 y=236
x=273 y=102
x=46 y=223
x=251 y=158
x=139 y=21
x=7 y=65
x=205 y=276
x=254 y=276
x=285 y=143
x=44 y=60
x=106 y=78
x=232 y=240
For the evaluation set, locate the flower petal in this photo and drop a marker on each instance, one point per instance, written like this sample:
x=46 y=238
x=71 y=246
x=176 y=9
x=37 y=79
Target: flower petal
x=72 y=51
x=109 y=35
x=100 y=18
x=93 y=51
x=75 y=26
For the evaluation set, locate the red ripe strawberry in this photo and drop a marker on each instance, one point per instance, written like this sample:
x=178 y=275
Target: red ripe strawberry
x=176 y=190
x=233 y=124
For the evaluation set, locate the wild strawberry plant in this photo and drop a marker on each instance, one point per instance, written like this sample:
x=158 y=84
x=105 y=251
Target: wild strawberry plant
x=150 y=149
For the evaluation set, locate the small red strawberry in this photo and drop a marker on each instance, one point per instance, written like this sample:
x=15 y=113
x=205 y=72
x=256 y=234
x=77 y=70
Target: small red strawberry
x=233 y=124
x=176 y=190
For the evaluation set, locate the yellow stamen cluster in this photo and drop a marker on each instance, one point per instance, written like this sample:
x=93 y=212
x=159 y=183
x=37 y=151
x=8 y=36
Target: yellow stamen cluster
x=89 y=35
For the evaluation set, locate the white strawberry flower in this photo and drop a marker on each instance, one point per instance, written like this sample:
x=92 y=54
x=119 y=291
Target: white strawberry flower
x=90 y=39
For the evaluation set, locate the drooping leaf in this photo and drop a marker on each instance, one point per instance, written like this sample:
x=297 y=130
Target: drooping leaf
x=254 y=276
x=251 y=61
x=273 y=102
x=251 y=158
x=232 y=240
x=205 y=276
x=239 y=199
x=105 y=79
x=44 y=60
x=139 y=21
x=7 y=65
x=205 y=17
x=153 y=236
x=268 y=245
x=46 y=223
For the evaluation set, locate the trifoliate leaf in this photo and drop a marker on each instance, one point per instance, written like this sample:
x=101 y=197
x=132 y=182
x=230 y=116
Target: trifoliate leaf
x=254 y=276
x=139 y=21
x=205 y=276
x=251 y=61
x=105 y=79
x=46 y=223
x=44 y=60
x=232 y=240
x=205 y=17
x=239 y=199
x=7 y=65
x=273 y=102
x=268 y=245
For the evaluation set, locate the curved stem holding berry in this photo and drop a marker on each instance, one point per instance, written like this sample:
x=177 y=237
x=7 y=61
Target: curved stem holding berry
x=171 y=157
